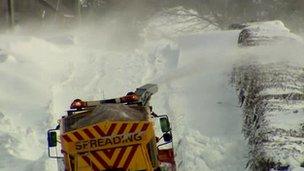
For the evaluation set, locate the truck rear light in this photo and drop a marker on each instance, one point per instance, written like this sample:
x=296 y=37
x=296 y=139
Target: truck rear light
x=129 y=98
x=78 y=104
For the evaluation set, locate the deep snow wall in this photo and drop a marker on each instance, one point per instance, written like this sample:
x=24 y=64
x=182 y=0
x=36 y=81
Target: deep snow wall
x=213 y=139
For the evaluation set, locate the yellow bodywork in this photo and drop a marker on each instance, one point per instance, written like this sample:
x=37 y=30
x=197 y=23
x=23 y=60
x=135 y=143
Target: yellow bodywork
x=125 y=145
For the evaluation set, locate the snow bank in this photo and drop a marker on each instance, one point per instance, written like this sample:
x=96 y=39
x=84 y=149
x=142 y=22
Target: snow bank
x=272 y=121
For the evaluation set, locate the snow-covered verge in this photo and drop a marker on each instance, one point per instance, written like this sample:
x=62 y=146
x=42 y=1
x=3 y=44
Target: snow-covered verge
x=272 y=78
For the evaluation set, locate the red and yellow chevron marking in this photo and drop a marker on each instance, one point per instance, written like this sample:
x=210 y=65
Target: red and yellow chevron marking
x=109 y=144
x=99 y=159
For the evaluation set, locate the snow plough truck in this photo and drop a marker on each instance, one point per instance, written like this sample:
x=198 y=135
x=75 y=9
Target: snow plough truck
x=113 y=134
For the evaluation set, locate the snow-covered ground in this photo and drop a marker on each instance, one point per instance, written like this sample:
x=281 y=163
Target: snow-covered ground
x=41 y=74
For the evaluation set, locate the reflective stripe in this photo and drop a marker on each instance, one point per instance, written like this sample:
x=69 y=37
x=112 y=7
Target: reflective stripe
x=78 y=136
x=130 y=157
x=67 y=138
x=88 y=133
x=90 y=163
x=100 y=160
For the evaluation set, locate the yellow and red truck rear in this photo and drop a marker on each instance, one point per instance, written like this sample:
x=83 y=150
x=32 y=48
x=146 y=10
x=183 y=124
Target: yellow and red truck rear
x=114 y=134
x=110 y=145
